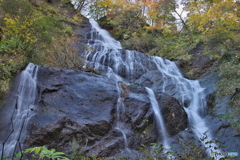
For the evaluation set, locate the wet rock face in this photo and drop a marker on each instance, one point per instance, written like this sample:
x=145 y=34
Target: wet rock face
x=228 y=137
x=83 y=106
x=72 y=105
x=174 y=115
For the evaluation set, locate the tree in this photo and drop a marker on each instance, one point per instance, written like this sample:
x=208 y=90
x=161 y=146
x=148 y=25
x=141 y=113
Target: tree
x=26 y=33
x=81 y=4
x=100 y=8
x=62 y=55
x=219 y=20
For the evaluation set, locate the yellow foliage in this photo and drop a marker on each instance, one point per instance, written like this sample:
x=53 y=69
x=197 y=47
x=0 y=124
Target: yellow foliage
x=213 y=18
x=105 y=4
x=16 y=27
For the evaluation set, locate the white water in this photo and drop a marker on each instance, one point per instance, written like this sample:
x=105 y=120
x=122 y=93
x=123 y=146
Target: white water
x=159 y=119
x=107 y=40
x=103 y=39
x=190 y=90
x=108 y=57
x=120 y=112
x=26 y=96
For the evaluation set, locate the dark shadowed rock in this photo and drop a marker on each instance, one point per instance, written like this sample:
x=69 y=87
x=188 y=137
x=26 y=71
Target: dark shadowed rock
x=139 y=115
x=203 y=63
x=174 y=115
x=74 y=106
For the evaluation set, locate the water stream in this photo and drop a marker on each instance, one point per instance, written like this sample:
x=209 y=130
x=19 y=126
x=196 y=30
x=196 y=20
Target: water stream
x=103 y=43
x=159 y=118
x=120 y=113
x=24 y=106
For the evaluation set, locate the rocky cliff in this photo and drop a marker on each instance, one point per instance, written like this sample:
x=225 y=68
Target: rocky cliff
x=110 y=114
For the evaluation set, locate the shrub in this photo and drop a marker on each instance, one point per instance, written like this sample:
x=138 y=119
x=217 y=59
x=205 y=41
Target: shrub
x=62 y=55
x=44 y=152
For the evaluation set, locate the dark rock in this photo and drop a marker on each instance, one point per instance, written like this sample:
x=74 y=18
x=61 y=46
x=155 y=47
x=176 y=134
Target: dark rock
x=137 y=117
x=124 y=89
x=72 y=106
x=173 y=113
x=218 y=105
x=202 y=64
x=140 y=114
x=222 y=131
x=209 y=83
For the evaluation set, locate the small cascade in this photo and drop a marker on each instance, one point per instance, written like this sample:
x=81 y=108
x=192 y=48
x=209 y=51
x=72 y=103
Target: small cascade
x=120 y=113
x=192 y=97
x=24 y=107
x=104 y=36
x=103 y=44
x=196 y=111
x=119 y=124
x=159 y=119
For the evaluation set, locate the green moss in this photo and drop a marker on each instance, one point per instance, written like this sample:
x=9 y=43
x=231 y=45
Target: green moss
x=233 y=117
x=229 y=72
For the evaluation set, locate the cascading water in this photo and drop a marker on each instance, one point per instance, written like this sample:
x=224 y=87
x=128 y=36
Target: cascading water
x=159 y=118
x=119 y=125
x=108 y=57
x=24 y=107
x=103 y=43
x=107 y=40
x=192 y=97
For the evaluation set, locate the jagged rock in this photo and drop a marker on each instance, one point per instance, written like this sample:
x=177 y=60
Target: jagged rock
x=201 y=64
x=73 y=106
x=139 y=115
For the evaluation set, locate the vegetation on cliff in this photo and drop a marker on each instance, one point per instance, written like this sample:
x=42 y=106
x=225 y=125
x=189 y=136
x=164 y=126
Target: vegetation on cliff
x=37 y=32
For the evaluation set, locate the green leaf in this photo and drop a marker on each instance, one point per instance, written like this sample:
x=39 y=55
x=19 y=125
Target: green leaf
x=37 y=149
x=58 y=153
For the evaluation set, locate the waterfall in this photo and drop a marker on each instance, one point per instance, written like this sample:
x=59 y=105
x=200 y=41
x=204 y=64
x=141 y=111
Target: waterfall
x=104 y=44
x=24 y=110
x=120 y=113
x=107 y=40
x=160 y=75
x=119 y=125
x=159 y=119
x=192 y=97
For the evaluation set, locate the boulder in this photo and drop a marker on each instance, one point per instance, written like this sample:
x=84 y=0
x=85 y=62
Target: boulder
x=174 y=115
